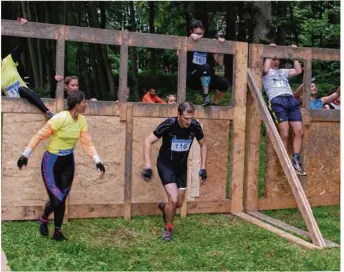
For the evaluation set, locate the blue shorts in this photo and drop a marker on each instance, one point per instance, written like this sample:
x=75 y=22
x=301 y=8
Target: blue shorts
x=285 y=108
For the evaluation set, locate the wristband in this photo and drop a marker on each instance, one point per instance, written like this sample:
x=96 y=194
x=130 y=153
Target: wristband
x=96 y=159
x=27 y=152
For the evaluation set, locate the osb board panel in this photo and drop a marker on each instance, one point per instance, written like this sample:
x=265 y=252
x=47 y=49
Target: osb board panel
x=23 y=187
x=321 y=163
x=216 y=132
x=322 y=157
x=108 y=136
x=143 y=191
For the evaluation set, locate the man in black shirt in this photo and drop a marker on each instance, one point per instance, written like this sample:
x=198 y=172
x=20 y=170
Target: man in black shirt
x=177 y=135
x=200 y=68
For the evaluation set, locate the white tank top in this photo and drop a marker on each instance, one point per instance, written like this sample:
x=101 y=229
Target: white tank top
x=276 y=83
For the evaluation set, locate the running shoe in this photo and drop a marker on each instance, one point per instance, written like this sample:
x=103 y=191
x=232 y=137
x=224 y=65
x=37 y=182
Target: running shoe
x=43 y=225
x=207 y=101
x=161 y=206
x=58 y=235
x=49 y=114
x=298 y=168
x=167 y=234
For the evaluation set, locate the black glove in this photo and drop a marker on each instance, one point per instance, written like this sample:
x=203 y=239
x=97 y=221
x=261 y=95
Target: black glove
x=147 y=174
x=100 y=167
x=203 y=174
x=22 y=161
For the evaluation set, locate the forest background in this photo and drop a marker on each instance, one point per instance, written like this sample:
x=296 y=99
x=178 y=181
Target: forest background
x=304 y=23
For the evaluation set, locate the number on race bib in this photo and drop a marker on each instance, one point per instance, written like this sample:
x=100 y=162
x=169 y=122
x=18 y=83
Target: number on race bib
x=13 y=90
x=181 y=145
x=199 y=58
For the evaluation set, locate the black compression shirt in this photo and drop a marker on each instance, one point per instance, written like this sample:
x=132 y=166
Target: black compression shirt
x=176 y=141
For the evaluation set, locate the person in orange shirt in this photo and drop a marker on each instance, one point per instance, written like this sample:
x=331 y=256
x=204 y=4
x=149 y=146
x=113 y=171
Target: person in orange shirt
x=151 y=97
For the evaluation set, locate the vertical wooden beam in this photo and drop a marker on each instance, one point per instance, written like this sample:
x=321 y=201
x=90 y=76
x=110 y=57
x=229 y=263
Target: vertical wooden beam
x=59 y=93
x=181 y=92
x=240 y=51
x=253 y=125
x=128 y=161
x=298 y=192
x=307 y=78
x=123 y=75
x=60 y=60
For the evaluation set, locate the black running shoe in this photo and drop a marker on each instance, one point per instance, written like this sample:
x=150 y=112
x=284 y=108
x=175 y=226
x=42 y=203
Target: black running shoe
x=43 y=225
x=58 y=235
x=161 y=206
x=167 y=234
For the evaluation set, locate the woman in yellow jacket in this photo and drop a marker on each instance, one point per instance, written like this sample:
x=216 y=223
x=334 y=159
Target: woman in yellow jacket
x=58 y=166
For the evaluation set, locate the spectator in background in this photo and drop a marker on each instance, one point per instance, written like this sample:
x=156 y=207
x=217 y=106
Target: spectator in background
x=317 y=103
x=151 y=97
x=171 y=99
x=335 y=105
x=71 y=84
x=166 y=70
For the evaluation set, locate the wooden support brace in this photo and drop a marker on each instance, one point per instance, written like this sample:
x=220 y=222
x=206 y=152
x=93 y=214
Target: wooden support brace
x=294 y=182
x=279 y=232
x=282 y=225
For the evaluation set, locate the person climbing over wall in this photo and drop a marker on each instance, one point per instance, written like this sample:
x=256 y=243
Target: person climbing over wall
x=200 y=68
x=58 y=165
x=12 y=83
x=177 y=135
x=284 y=107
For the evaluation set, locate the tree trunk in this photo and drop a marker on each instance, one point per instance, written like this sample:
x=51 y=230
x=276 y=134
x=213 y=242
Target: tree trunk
x=132 y=53
x=230 y=36
x=262 y=18
x=282 y=28
x=187 y=17
x=32 y=48
x=39 y=51
x=152 y=30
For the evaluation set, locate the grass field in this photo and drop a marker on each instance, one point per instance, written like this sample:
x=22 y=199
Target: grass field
x=201 y=242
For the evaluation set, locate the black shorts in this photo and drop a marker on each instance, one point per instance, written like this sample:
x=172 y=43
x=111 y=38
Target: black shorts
x=168 y=175
x=193 y=79
x=285 y=108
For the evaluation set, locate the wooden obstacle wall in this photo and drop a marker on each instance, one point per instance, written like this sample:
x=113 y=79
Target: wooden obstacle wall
x=321 y=148
x=118 y=131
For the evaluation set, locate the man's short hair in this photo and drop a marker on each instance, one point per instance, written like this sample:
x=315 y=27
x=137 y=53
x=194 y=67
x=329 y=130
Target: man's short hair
x=186 y=106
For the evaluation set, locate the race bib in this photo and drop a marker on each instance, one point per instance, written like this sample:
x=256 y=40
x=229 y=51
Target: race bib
x=199 y=58
x=280 y=83
x=13 y=90
x=181 y=145
x=64 y=152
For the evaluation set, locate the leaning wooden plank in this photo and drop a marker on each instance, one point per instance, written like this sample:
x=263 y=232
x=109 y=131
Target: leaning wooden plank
x=294 y=182
x=282 y=225
x=279 y=232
